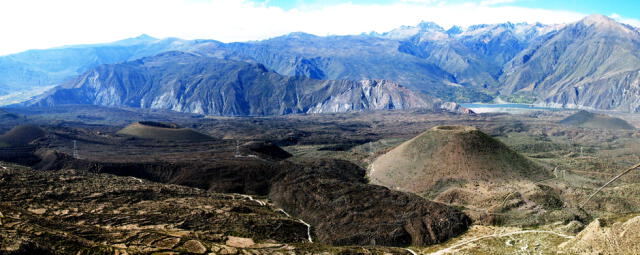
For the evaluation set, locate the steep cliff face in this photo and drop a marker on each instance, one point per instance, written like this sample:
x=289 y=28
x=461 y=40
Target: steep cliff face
x=593 y=63
x=186 y=82
x=612 y=91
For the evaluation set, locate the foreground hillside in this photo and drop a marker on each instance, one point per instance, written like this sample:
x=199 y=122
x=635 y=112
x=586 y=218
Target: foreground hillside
x=74 y=212
x=186 y=82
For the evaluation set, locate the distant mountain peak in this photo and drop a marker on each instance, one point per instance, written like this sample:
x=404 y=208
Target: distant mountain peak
x=300 y=35
x=145 y=37
x=603 y=24
x=454 y=30
x=508 y=25
x=598 y=19
x=427 y=25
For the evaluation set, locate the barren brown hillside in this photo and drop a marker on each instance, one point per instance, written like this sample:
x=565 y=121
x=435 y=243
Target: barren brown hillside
x=162 y=131
x=451 y=154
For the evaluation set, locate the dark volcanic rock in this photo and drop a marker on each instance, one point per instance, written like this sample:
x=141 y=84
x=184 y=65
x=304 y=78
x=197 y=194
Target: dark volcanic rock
x=334 y=197
x=265 y=150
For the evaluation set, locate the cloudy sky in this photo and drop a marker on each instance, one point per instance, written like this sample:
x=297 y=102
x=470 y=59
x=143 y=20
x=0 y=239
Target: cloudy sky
x=33 y=24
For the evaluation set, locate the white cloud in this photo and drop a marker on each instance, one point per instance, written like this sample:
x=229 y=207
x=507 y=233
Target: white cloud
x=419 y=1
x=633 y=22
x=495 y=2
x=31 y=24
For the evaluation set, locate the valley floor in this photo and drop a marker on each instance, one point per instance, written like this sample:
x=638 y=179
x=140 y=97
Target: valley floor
x=516 y=218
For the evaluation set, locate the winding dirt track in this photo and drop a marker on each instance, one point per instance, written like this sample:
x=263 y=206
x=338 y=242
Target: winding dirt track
x=261 y=203
x=454 y=248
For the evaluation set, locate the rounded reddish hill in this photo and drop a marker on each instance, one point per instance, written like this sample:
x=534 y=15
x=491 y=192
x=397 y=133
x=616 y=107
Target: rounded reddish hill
x=450 y=154
x=163 y=131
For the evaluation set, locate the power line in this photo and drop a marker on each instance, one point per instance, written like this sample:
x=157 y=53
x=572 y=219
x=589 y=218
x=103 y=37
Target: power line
x=75 y=149
x=609 y=182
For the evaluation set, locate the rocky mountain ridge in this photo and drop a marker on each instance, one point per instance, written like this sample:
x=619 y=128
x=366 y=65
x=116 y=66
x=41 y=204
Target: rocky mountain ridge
x=186 y=82
x=591 y=64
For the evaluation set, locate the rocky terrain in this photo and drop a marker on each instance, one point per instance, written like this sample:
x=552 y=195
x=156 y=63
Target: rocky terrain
x=335 y=198
x=75 y=212
x=607 y=236
x=186 y=82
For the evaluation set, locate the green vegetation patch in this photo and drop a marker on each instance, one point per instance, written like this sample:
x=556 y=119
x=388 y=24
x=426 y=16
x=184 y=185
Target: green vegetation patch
x=461 y=94
x=519 y=98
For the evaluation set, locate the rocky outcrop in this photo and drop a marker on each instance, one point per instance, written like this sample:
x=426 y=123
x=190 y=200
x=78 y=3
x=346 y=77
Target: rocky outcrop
x=186 y=82
x=454 y=107
x=606 y=236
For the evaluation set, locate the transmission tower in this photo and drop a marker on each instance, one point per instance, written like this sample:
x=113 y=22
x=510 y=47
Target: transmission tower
x=75 y=149
x=237 y=149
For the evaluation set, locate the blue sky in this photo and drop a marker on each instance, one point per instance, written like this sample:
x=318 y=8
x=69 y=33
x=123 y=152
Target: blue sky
x=37 y=24
x=626 y=8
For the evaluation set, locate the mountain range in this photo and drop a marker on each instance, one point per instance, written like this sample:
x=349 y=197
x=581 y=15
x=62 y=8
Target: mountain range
x=185 y=82
x=593 y=63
